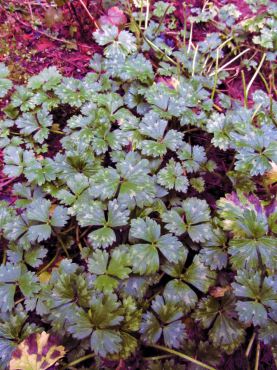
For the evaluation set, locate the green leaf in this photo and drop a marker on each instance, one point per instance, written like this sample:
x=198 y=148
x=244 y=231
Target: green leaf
x=7 y=292
x=213 y=254
x=248 y=222
x=172 y=177
x=39 y=211
x=192 y=156
x=196 y=222
x=136 y=186
x=105 y=342
x=162 y=8
x=94 y=215
x=154 y=127
x=46 y=80
x=145 y=257
x=169 y=326
x=71 y=91
x=109 y=272
x=5 y=84
x=220 y=127
x=37 y=125
x=119 y=264
x=119 y=43
x=196 y=275
x=29 y=284
x=256 y=149
x=14 y=328
x=218 y=315
x=136 y=67
x=258 y=297
x=15 y=160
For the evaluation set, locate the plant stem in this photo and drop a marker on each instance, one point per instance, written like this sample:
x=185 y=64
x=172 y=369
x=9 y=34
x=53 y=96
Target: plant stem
x=88 y=13
x=45 y=33
x=160 y=51
x=49 y=264
x=250 y=344
x=161 y=20
x=185 y=26
x=194 y=59
x=154 y=358
x=257 y=359
x=182 y=355
x=31 y=11
x=230 y=61
x=4 y=260
x=255 y=74
x=190 y=37
x=62 y=244
x=256 y=111
x=78 y=361
x=57 y=132
x=244 y=89
x=216 y=74
x=147 y=14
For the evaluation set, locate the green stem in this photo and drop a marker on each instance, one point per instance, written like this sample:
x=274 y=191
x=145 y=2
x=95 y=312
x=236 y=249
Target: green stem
x=190 y=37
x=78 y=361
x=194 y=60
x=264 y=81
x=155 y=358
x=62 y=244
x=161 y=20
x=255 y=74
x=4 y=260
x=185 y=27
x=257 y=359
x=46 y=267
x=182 y=355
x=244 y=89
x=160 y=51
x=216 y=74
x=147 y=14
x=56 y=131
x=230 y=61
x=250 y=344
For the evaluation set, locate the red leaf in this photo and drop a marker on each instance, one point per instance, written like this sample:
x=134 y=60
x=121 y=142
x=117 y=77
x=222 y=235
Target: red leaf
x=115 y=17
x=44 y=44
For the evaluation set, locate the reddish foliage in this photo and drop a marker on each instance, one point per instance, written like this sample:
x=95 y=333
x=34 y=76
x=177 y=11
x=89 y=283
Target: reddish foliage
x=114 y=17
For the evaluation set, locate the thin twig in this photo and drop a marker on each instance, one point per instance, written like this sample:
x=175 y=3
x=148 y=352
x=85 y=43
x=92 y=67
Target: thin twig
x=190 y=37
x=89 y=14
x=147 y=14
x=45 y=34
x=250 y=344
x=155 y=358
x=62 y=244
x=216 y=74
x=257 y=359
x=230 y=61
x=78 y=361
x=49 y=264
x=9 y=181
x=194 y=59
x=255 y=74
x=182 y=355
x=31 y=10
x=244 y=89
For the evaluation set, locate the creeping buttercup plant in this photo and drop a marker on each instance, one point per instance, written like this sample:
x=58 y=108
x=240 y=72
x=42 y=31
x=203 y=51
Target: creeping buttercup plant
x=140 y=218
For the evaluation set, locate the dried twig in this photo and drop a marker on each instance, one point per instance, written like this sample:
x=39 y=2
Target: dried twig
x=88 y=13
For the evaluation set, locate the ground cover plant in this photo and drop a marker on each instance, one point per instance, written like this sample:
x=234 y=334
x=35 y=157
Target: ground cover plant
x=138 y=225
